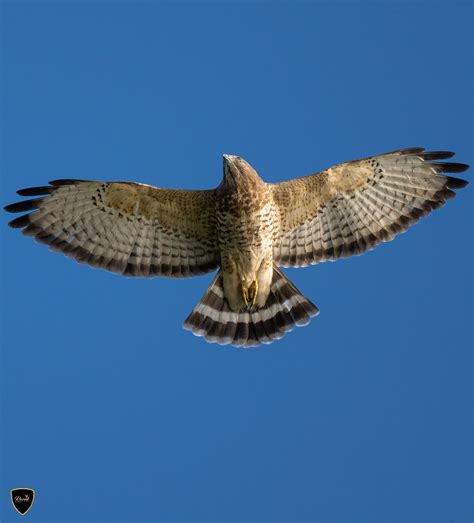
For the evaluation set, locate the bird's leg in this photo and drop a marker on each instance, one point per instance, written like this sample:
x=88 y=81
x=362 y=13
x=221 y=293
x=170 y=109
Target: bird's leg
x=253 y=291
x=245 y=294
x=249 y=294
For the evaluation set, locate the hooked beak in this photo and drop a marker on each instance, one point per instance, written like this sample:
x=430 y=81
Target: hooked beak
x=229 y=165
x=229 y=158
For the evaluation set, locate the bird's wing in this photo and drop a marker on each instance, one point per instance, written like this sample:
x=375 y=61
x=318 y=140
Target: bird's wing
x=124 y=227
x=353 y=206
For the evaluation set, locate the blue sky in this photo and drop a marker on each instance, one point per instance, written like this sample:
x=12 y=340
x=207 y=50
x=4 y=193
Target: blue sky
x=112 y=412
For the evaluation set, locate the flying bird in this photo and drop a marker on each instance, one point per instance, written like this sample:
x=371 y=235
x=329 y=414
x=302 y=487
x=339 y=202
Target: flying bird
x=245 y=228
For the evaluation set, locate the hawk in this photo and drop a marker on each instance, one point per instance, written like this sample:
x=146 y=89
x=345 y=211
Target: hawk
x=245 y=228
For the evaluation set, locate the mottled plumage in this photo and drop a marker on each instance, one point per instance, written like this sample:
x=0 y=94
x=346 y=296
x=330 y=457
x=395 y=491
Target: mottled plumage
x=245 y=228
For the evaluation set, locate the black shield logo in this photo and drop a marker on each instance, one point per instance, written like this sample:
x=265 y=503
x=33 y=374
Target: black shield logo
x=22 y=499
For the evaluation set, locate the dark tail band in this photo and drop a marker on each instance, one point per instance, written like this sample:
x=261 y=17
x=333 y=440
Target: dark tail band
x=217 y=323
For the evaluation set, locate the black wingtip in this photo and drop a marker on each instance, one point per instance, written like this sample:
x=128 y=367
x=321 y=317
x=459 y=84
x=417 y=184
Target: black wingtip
x=450 y=167
x=35 y=191
x=437 y=155
x=456 y=183
x=20 y=222
x=10 y=207
x=25 y=205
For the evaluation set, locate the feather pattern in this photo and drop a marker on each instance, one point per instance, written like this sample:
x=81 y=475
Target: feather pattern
x=217 y=323
x=350 y=208
x=124 y=227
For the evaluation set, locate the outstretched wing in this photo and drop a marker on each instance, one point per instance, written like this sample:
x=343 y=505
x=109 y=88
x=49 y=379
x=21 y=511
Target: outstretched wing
x=124 y=227
x=353 y=206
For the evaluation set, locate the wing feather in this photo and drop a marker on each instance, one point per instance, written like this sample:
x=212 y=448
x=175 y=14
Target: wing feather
x=124 y=227
x=350 y=208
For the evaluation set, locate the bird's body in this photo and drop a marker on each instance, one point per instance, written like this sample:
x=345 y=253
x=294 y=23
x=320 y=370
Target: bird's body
x=244 y=209
x=245 y=228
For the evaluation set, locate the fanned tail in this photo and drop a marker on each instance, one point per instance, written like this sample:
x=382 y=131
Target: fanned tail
x=217 y=323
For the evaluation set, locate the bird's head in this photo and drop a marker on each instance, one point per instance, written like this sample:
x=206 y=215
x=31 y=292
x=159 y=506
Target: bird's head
x=237 y=169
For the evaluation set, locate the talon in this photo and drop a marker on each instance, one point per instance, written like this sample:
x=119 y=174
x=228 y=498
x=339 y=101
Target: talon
x=253 y=291
x=249 y=294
